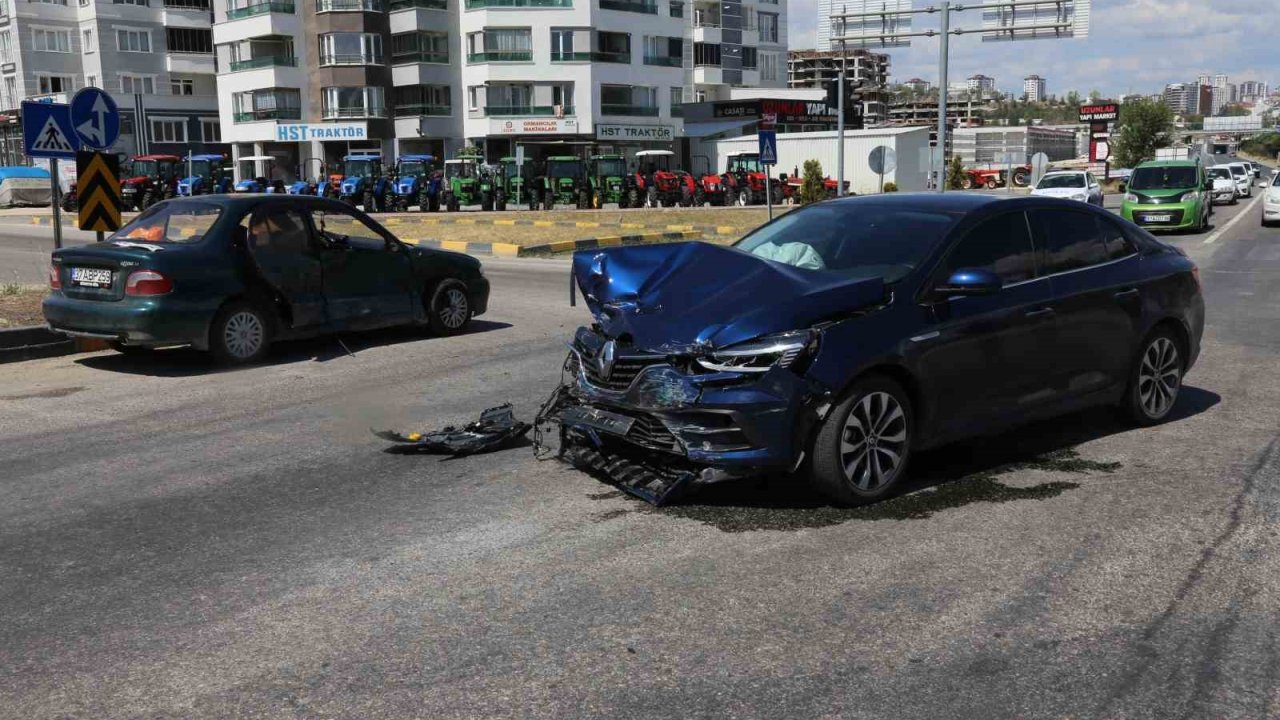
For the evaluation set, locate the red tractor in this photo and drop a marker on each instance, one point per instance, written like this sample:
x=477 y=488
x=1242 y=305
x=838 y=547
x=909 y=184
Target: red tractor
x=152 y=178
x=791 y=188
x=746 y=181
x=708 y=187
x=656 y=184
x=992 y=177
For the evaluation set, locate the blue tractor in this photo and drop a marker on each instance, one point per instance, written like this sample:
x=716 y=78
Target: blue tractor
x=363 y=182
x=207 y=174
x=417 y=183
x=260 y=184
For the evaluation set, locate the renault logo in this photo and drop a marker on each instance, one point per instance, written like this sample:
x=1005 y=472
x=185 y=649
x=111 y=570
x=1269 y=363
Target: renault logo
x=605 y=358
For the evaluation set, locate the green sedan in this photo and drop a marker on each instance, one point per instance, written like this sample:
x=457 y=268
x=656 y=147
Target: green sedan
x=230 y=274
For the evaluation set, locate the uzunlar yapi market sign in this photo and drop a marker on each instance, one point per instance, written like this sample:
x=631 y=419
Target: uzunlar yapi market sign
x=799 y=112
x=1100 y=112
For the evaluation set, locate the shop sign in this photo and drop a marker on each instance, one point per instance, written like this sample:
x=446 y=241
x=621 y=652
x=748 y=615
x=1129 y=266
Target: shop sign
x=534 y=126
x=1101 y=112
x=642 y=133
x=302 y=132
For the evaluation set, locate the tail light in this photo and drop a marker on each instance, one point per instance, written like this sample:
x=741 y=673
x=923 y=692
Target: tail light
x=55 y=277
x=147 y=282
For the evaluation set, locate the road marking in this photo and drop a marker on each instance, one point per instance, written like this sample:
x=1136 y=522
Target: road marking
x=1213 y=236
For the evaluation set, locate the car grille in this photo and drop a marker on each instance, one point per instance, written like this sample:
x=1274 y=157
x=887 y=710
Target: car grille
x=625 y=370
x=649 y=432
x=1175 y=218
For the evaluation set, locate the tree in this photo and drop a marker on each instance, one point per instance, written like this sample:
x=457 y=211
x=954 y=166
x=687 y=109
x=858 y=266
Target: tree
x=955 y=173
x=811 y=185
x=1094 y=96
x=1144 y=126
x=1073 y=99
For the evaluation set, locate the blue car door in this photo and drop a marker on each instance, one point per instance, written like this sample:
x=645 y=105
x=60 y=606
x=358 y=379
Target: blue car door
x=982 y=357
x=1095 y=276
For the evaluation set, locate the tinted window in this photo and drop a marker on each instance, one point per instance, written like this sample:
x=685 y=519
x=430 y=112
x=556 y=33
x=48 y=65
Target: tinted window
x=1068 y=240
x=279 y=230
x=1113 y=240
x=173 y=222
x=330 y=223
x=1001 y=245
x=857 y=238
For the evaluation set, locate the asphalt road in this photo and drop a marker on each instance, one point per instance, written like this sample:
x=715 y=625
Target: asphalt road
x=177 y=542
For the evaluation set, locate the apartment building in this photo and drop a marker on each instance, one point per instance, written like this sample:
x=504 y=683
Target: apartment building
x=866 y=71
x=155 y=57
x=982 y=85
x=1035 y=88
x=309 y=81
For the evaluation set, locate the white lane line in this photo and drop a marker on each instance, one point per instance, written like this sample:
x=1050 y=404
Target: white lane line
x=1239 y=216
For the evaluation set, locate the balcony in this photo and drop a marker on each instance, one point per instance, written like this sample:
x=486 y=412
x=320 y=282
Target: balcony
x=663 y=61
x=274 y=6
x=557 y=56
x=350 y=6
x=421 y=109
x=526 y=110
x=354 y=112
x=630 y=110
x=508 y=56
x=330 y=59
x=187 y=5
x=271 y=114
x=418 y=4
x=482 y=4
x=647 y=7
x=622 y=58
x=422 y=56
x=262 y=62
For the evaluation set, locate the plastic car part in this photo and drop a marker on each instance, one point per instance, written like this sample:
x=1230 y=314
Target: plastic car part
x=497 y=428
x=655 y=484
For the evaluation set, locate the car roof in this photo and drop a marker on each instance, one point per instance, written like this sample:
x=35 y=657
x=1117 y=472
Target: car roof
x=1065 y=172
x=1169 y=163
x=208 y=156
x=156 y=157
x=954 y=202
x=417 y=158
x=645 y=153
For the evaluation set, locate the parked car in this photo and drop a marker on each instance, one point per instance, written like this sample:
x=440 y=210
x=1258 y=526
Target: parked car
x=1224 y=185
x=1242 y=173
x=847 y=335
x=1070 y=185
x=1168 y=195
x=231 y=274
x=1271 y=202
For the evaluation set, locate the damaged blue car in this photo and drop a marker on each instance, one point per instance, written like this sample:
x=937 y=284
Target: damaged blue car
x=837 y=340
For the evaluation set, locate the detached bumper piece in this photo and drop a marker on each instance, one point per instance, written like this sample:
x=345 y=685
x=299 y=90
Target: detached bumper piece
x=497 y=428
x=655 y=484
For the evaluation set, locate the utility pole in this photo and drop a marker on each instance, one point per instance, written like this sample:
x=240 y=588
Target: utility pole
x=943 y=60
x=844 y=59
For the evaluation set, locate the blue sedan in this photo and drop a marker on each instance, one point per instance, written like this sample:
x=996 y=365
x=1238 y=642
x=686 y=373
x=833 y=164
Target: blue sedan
x=841 y=338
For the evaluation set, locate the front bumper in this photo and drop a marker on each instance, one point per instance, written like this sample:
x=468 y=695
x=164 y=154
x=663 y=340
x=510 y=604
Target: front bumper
x=1270 y=211
x=1180 y=215
x=146 y=322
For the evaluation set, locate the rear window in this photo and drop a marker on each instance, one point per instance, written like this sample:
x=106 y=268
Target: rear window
x=172 y=222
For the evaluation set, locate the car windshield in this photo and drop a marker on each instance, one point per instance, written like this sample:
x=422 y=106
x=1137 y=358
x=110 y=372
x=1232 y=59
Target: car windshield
x=459 y=169
x=1167 y=177
x=612 y=167
x=564 y=168
x=1071 y=180
x=1237 y=170
x=413 y=168
x=1275 y=180
x=171 y=222
x=1220 y=172
x=359 y=168
x=860 y=239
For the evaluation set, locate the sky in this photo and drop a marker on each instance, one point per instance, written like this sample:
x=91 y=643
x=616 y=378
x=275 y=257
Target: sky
x=1134 y=46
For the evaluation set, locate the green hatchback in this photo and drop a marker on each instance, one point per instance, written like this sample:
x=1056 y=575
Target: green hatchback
x=231 y=273
x=1169 y=195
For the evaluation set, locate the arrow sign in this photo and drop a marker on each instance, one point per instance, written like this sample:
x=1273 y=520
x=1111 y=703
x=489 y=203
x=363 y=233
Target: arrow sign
x=46 y=131
x=98 y=187
x=96 y=118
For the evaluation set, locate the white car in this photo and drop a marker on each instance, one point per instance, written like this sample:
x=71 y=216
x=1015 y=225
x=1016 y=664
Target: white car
x=1243 y=175
x=1224 y=185
x=1271 y=202
x=1070 y=185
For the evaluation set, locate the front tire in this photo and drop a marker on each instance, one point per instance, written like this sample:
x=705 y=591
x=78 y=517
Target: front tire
x=450 y=308
x=744 y=197
x=861 y=451
x=240 y=334
x=1156 y=379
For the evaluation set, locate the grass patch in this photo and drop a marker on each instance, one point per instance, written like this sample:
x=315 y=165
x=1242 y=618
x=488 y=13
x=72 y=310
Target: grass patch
x=20 y=305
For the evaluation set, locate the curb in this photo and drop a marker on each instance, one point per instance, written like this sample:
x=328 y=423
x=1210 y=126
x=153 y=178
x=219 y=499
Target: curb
x=516 y=222
x=568 y=246
x=38 y=341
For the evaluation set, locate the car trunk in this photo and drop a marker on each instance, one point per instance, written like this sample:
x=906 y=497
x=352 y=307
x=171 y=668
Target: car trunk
x=89 y=261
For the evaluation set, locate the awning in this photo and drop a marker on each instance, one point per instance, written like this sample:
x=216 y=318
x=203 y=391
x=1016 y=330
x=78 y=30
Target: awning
x=706 y=130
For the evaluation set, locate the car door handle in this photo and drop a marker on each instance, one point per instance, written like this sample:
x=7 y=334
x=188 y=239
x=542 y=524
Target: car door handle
x=1040 y=313
x=1126 y=294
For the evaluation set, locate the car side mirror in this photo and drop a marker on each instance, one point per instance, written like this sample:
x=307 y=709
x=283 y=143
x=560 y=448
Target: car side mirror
x=967 y=282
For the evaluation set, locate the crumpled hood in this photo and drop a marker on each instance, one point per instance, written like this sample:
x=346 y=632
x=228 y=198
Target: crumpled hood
x=680 y=296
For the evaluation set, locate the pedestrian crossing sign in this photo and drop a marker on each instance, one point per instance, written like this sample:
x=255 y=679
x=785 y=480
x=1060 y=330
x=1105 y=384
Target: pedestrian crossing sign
x=47 y=132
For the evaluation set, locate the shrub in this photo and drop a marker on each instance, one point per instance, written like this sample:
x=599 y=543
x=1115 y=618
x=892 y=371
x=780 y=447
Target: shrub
x=891 y=186
x=811 y=187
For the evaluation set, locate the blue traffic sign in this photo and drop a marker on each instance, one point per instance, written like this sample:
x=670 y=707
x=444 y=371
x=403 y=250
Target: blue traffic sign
x=46 y=130
x=768 y=147
x=96 y=118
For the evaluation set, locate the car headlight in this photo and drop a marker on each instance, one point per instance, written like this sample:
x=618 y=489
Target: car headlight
x=1130 y=197
x=757 y=356
x=1188 y=196
x=1080 y=196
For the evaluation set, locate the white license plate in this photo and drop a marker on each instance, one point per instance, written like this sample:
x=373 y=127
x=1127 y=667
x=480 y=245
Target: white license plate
x=91 y=277
x=1157 y=218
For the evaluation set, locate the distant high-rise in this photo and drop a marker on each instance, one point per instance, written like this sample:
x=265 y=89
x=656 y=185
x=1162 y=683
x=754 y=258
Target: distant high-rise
x=981 y=84
x=1034 y=87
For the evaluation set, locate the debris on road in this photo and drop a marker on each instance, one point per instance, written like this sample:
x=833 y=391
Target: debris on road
x=496 y=429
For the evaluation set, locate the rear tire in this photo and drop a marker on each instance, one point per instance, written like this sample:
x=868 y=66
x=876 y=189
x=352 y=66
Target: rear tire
x=1155 y=381
x=862 y=449
x=449 y=310
x=240 y=334
x=633 y=198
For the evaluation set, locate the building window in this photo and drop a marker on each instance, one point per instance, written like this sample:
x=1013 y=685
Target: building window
x=473 y=98
x=50 y=84
x=91 y=81
x=413 y=100
x=706 y=55
x=49 y=2
x=137 y=84
x=140 y=3
x=351 y=49
x=87 y=43
x=429 y=47
x=182 y=86
x=6 y=47
x=353 y=102
x=677 y=99
x=43 y=40
x=268 y=104
x=768 y=27
x=85 y=3
x=613 y=47
x=10 y=93
x=210 y=131
x=126 y=123
x=168 y=130
x=500 y=45
x=189 y=40
x=676 y=9
x=769 y=63
x=561 y=44
x=662 y=50
x=133 y=41
x=628 y=100
x=749 y=58
x=562 y=96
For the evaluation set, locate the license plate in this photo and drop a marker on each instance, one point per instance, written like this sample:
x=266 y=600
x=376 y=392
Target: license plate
x=1157 y=218
x=612 y=423
x=91 y=277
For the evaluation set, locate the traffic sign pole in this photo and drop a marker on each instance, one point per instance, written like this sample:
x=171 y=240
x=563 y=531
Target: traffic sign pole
x=57 y=204
x=768 y=189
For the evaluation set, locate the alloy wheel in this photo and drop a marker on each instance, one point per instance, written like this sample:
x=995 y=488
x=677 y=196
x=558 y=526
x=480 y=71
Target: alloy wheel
x=454 y=311
x=1159 y=378
x=874 y=441
x=243 y=335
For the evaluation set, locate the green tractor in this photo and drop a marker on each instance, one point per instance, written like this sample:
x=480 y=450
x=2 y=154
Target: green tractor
x=468 y=182
x=564 y=181
x=516 y=178
x=609 y=178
